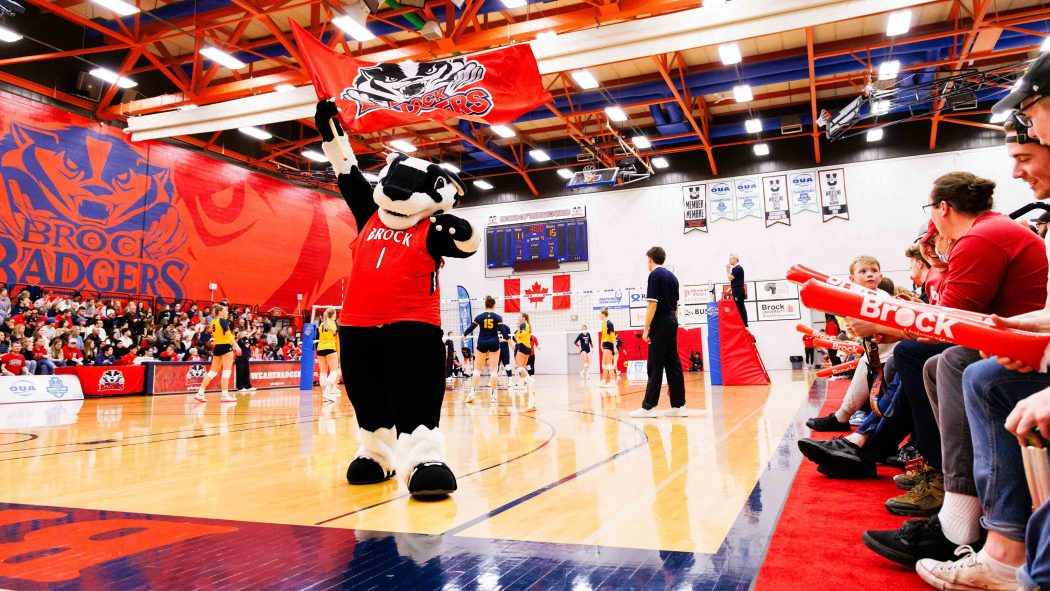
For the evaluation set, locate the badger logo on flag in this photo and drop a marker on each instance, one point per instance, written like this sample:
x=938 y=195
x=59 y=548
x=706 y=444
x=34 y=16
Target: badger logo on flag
x=420 y=87
x=112 y=380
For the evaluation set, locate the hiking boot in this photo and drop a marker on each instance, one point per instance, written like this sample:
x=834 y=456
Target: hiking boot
x=923 y=500
x=968 y=572
x=828 y=423
x=916 y=539
x=912 y=477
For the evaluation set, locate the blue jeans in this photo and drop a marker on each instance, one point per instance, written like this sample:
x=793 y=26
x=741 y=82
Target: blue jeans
x=991 y=392
x=1036 y=571
x=909 y=357
x=45 y=367
x=31 y=366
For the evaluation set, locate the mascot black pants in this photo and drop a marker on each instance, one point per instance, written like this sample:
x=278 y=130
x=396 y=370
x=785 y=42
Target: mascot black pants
x=394 y=374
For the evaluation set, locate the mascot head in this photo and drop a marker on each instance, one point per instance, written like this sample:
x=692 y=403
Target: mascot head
x=410 y=190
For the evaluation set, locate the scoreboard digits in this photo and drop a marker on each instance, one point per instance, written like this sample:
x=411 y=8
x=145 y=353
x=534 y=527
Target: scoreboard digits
x=561 y=240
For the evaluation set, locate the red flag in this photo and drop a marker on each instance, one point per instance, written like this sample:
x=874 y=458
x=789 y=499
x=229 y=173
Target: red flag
x=561 y=285
x=511 y=293
x=492 y=87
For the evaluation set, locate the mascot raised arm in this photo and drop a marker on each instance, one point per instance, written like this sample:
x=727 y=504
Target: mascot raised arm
x=391 y=351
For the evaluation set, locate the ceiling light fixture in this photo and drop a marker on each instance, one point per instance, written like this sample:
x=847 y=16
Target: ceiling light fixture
x=222 y=58
x=880 y=107
x=615 y=114
x=898 y=23
x=482 y=185
x=742 y=93
x=585 y=79
x=514 y=3
x=539 y=155
x=118 y=6
x=660 y=162
x=753 y=125
x=888 y=70
x=353 y=28
x=450 y=167
x=284 y=88
x=255 y=132
x=641 y=142
x=503 y=131
x=113 y=78
x=315 y=155
x=1045 y=46
x=402 y=146
x=9 y=36
x=565 y=173
x=874 y=134
x=547 y=34
x=761 y=149
x=730 y=53
x=1000 y=116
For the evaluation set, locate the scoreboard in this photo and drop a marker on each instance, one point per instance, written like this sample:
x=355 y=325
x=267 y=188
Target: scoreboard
x=562 y=240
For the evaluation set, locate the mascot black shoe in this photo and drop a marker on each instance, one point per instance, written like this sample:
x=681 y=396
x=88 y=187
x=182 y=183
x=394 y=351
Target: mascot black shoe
x=391 y=349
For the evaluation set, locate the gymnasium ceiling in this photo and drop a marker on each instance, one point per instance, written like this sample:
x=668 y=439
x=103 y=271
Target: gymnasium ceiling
x=681 y=101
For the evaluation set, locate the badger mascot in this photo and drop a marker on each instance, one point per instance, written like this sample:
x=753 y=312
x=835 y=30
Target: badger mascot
x=392 y=354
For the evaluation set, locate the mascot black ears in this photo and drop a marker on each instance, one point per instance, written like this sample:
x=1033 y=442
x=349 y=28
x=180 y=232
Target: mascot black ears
x=391 y=352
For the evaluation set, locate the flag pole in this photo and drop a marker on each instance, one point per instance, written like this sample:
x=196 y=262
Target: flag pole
x=335 y=134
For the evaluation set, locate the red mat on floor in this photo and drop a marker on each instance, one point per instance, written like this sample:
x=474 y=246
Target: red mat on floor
x=817 y=543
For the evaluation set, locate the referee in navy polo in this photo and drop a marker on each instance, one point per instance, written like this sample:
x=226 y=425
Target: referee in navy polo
x=661 y=332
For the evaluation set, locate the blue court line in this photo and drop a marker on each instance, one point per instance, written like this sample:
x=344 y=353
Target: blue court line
x=554 y=432
x=557 y=483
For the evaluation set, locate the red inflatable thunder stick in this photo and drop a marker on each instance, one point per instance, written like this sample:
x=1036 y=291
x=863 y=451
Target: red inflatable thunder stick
x=843 y=346
x=827 y=372
x=968 y=329
x=800 y=274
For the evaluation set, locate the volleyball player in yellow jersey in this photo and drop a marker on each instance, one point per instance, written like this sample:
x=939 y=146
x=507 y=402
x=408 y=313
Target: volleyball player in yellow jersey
x=522 y=350
x=328 y=355
x=608 y=353
x=222 y=354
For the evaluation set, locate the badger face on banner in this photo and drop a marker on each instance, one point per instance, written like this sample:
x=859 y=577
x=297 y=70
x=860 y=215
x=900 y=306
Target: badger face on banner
x=410 y=190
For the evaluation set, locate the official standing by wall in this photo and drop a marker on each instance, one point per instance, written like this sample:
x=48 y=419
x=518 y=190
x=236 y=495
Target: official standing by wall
x=735 y=273
x=661 y=332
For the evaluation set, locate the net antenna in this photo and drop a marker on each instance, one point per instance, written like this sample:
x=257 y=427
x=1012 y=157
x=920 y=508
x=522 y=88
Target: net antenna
x=955 y=91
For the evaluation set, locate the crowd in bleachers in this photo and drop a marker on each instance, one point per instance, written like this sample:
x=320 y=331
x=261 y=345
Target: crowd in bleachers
x=55 y=330
x=954 y=419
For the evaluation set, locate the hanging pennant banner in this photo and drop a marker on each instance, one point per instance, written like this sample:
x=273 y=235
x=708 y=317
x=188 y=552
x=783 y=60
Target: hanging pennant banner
x=748 y=200
x=776 y=200
x=802 y=189
x=694 y=207
x=833 y=194
x=722 y=205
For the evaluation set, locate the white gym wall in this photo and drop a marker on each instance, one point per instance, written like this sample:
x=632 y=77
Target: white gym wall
x=885 y=202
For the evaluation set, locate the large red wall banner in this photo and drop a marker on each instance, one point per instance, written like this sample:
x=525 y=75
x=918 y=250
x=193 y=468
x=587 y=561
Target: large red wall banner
x=81 y=207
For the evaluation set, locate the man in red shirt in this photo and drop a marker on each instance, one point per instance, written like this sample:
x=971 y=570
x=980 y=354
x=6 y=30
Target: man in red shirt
x=72 y=353
x=13 y=363
x=129 y=357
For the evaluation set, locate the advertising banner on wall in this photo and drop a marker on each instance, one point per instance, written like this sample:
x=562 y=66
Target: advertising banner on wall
x=748 y=198
x=692 y=314
x=183 y=377
x=802 y=188
x=697 y=294
x=694 y=207
x=833 y=194
x=775 y=199
x=108 y=380
x=779 y=310
x=14 y=389
x=721 y=201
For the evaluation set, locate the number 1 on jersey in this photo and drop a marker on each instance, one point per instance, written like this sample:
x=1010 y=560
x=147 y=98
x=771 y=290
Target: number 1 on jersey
x=380 y=261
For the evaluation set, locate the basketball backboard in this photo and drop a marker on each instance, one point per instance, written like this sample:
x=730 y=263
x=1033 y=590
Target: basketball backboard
x=593 y=177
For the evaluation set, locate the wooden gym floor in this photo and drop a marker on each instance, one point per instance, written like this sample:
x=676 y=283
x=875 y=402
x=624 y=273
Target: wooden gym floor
x=164 y=492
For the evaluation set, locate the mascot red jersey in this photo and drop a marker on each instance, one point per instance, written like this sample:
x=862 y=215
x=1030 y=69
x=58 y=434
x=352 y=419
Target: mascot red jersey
x=391 y=351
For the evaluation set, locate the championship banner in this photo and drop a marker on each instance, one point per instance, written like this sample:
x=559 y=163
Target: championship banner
x=722 y=202
x=775 y=199
x=934 y=322
x=694 y=207
x=802 y=188
x=465 y=316
x=747 y=198
x=492 y=87
x=833 y=194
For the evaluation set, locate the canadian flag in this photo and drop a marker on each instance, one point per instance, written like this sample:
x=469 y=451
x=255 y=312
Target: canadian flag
x=537 y=295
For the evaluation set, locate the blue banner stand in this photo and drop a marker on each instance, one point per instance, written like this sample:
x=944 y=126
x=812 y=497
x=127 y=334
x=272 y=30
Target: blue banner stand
x=306 y=372
x=714 y=345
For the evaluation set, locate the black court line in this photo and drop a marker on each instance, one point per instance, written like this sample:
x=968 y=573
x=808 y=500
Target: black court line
x=28 y=437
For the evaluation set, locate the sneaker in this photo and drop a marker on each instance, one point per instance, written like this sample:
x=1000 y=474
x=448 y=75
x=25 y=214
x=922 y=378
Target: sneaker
x=837 y=452
x=644 y=413
x=583 y=374
x=828 y=423
x=968 y=572
x=903 y=456
x=677 y=411
x=252 y=389
x=199 y=397
x=915 y=540
x=609 y=385
x=923 y=500
x=858 y=418
x=227 y=397
x=470 y=396
x=493 y=398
